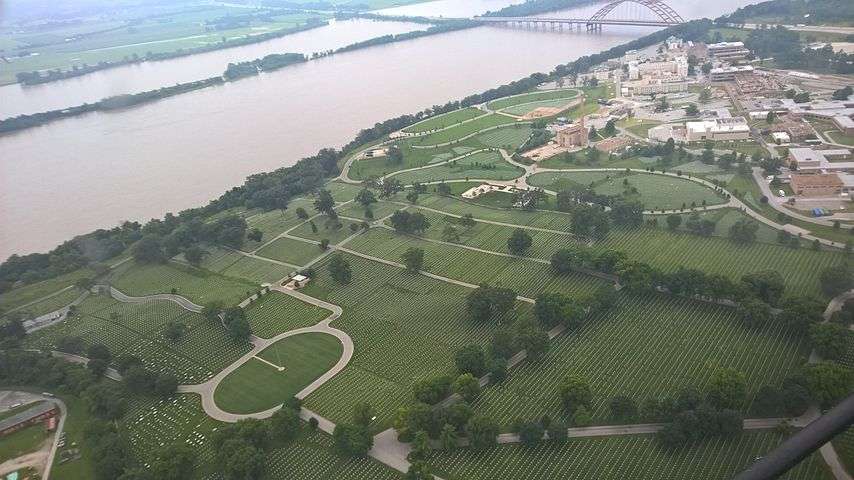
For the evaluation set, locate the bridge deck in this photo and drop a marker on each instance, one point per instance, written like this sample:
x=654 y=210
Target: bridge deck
x=572 y=21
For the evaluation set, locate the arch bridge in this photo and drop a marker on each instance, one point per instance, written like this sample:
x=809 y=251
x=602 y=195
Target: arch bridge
x=667 y=17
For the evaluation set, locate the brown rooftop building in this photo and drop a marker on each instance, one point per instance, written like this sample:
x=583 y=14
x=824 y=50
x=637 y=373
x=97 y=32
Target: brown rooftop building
x=573 y=135
x=817 y=185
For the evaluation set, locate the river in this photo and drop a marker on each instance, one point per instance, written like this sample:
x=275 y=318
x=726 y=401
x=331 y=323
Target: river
x=93 y=171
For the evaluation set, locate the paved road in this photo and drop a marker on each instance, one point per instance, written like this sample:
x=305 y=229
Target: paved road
x=183 y=302
x=54 y=317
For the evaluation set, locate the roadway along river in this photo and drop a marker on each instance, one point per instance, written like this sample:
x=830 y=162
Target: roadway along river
x=76 y=175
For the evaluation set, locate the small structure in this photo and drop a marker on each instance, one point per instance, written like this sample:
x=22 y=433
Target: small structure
x=728 y=51
x=780 y=137
x=484 y=188
x=573 y=135
x=40 y=412
x=296 y=282
x=817 y=185
x=808 y=160
x=613 y=144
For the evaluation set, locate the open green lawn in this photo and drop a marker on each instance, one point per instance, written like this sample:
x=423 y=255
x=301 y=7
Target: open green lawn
x=462 y=130
x=537 y=96
x=23 y=441
x=277 y=313
x=52 y=303
x=635 y=457
x=637 y=126
x=488 y=165
x=75 y=425
x=232 y=263
x=647 y=347
x=508 y=138
x=404 y=327
x=656 y=192
x=380 y=209
x=526 y=276
x=198 y=285
x=524 y=108
x=32 y=293
x=445 y=120
x=291 y=251
x=137 y=329
x=275 y=222
x=658 y=247
x=257 y=386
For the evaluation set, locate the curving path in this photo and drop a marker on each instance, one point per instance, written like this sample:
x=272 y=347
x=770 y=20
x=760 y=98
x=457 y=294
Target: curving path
x=206 y=390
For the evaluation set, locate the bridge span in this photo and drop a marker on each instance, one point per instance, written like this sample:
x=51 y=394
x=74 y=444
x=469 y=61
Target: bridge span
x=665 y=14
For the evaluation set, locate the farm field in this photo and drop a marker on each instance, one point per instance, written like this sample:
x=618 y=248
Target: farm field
x=444 y=120
x=484 y=165
x=404 y=327
x=525 y=276
x=532 y=97
x=198 y=285
x=257 y=385
x=656 y=192
x=137 y=329
x=461 y=130
x=618 y=458
x=277 y=313
x=647 y=347
x=291 y=251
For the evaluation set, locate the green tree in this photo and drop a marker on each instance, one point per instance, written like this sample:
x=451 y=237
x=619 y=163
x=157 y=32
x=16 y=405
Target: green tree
x=194 y=255
x=165 y=385
x=530 y=433
x=519 y=242
x=835 y=280
x=482 y=432
x=767 y=285
x=255 y=235
x=147 y=250
x=366 y=197
x=363 y=414
x=467 y=386
x=575 y=392
x=623 y=408
x=830 y=340
x=285 y=425
x=450 y=234
x=325 y=203
x=471 y=359
x=448 y=439
x=673 y=221
x=339 y=269
x=743 y=231
x=174 y=330
x=828 y=383
x=177 y=462
x=727 y=389
x=754 y=312
x=352 y=440
x=413 y=258
x=240 y=460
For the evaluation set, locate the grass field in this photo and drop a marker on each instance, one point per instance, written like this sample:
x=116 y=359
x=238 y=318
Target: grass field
x=198 y=285
x=658 y=247
x=290 y=251
x=232 y=263
x=23 y=441
x=637 y=126
x=509 y=138
x=445 y=120
x=275 y=222
x=648 y=347
x=32 y=293
x=484 y=165
x=635 y=457
x=404 y=327
x=75 y=424
x=137 y=329
x=326 y=228
x=51 y=304
x=524 y=108
x=527 y=277
x=380 y=209
x=257 y=386
x=656 y=192
x=276 y=313
x=462 y=130
x=532 y=97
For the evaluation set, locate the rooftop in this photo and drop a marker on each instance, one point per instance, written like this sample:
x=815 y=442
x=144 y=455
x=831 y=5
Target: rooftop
x=21 y=417
x=817 y=180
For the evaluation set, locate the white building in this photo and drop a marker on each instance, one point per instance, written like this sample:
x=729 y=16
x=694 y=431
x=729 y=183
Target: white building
x=734 y=128
x=725 y=74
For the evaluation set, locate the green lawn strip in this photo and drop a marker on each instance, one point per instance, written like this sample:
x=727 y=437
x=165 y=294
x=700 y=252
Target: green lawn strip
x=637 y=126
x=277 y=313
x=291 y=251
x=257 y=270
x=340 y=191
x=404 y=327
x=275 y=222
x=380 y=209
x=508 y=138
x=445 y=120
x=30 y=293
x=532 y=97
x=462 y=130
x=198 y=285
x=332 y=230
x=21 y=442
x=256 y=386
x=527 y=277
x=486 y=165
x=458 y=206
x=619 y=458
x=646 y=347
x=51 y=304
x=656 y=192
